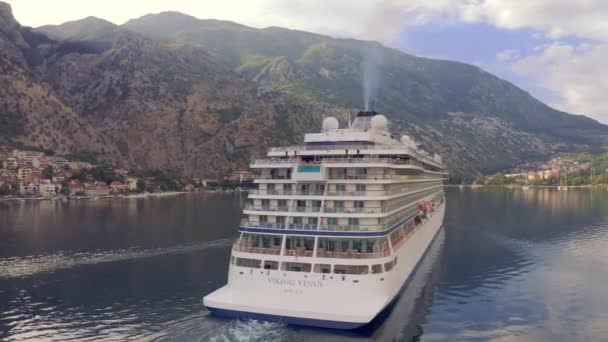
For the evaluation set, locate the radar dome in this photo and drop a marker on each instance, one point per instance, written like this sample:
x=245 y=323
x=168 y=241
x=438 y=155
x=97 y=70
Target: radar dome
x=330 y=124
x=406 y=140
x=379 y=123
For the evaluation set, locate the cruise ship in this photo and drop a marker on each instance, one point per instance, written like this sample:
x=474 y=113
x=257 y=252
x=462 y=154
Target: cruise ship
x=335 y=229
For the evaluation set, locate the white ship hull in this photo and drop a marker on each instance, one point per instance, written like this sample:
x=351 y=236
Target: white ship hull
x=322 y=300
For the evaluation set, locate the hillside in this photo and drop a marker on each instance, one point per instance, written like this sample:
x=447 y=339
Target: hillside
x=502 y=123
x=170 y=91
x=142 y=104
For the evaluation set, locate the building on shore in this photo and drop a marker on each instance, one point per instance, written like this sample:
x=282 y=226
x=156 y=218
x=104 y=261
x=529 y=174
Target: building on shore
x=47 y=188
x=96 y=189
x=242 y=176
x=131 y=184
x=75 y=187
x=28 y=188
x=117 y=186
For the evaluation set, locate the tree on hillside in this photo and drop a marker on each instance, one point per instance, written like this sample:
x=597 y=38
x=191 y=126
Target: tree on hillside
x=48 y=172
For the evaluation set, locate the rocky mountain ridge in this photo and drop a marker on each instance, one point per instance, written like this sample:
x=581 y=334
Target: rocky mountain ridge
x=169 y=91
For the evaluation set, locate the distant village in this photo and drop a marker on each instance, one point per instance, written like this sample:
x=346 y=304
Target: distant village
x=564 y=169
x=31 y=174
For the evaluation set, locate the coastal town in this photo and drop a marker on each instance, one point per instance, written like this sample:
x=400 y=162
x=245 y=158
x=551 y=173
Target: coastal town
x=565 y=169
x=37 y=174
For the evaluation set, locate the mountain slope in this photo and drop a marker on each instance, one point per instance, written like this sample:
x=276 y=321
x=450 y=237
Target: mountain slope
x=204 y=96
x=90 y=28
x=420 y=94
x=30 y=113
x=174 y=106
x=140 y=103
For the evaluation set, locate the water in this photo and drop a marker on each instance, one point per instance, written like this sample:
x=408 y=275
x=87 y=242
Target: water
x=510 y=265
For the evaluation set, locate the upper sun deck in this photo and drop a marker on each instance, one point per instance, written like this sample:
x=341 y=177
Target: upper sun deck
x=367 y=137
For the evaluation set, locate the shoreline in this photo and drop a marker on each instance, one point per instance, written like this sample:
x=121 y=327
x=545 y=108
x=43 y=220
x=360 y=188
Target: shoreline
x=124 y=196
x=511 y=186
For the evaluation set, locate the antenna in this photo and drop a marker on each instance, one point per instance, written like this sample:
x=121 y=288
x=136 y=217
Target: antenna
x=349 y=123
x=372 y=105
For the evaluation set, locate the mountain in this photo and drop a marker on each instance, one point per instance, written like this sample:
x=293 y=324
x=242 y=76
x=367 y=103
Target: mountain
x=476 y=119
x=170 y=91
x=30 y=113
x=89 y=28
x=142 y=104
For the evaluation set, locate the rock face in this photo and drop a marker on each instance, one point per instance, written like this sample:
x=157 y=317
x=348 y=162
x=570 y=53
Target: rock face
x=203 y=97
x=145 y=104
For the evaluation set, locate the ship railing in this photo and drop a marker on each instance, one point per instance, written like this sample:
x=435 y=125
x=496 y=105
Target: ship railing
x=278 y=225
x=367 y=160
x=275 y=161
x=337 y=193
x=269 y=177
x=242 y=247
x=356 y=148
x=328 y=227
x=299 y=252
x=352 y=254
x=296 y=209
x=381 y=177
x=286 y=192
x=330 y=147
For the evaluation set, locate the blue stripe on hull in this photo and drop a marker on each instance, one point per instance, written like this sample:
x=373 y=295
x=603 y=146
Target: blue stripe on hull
x=323 y=323
x=286 y=319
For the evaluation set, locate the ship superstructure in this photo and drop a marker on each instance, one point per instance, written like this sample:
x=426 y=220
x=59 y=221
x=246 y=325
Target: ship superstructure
x=336 y=227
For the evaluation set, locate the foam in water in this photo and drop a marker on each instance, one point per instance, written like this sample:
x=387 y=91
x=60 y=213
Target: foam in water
x=30 y=265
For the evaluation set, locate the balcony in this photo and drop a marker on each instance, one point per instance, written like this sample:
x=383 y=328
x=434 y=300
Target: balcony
x=352 y=254
x=279 y=225
x=243 y=247
x=286 y=192
x=273 y=177
x=275 y=161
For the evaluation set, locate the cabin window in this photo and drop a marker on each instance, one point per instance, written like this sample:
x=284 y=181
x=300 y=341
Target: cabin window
x=351 y=269
x=299 y=246
x=286 y=187
x=244 y=262
x=388 y=266
x=270 y=187
x=359 y=204
x=272 y=242
x=296 y=267
x=271 y=265
x=322 y=268
x=361 y=171
x=360 y=187
x=377 y=268
x=340 y=187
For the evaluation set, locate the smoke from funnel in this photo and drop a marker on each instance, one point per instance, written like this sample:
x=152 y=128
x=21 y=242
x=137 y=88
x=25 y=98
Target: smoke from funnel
x=371 y=65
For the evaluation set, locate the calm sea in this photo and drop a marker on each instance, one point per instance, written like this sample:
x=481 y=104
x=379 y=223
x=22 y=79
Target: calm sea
x=509 y=265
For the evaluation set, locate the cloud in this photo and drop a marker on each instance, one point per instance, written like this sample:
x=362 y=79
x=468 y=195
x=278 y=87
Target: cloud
x=575 y=72
x=507 y=55
x=556 y=18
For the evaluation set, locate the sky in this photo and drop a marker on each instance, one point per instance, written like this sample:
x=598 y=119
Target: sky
x=554 y=49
